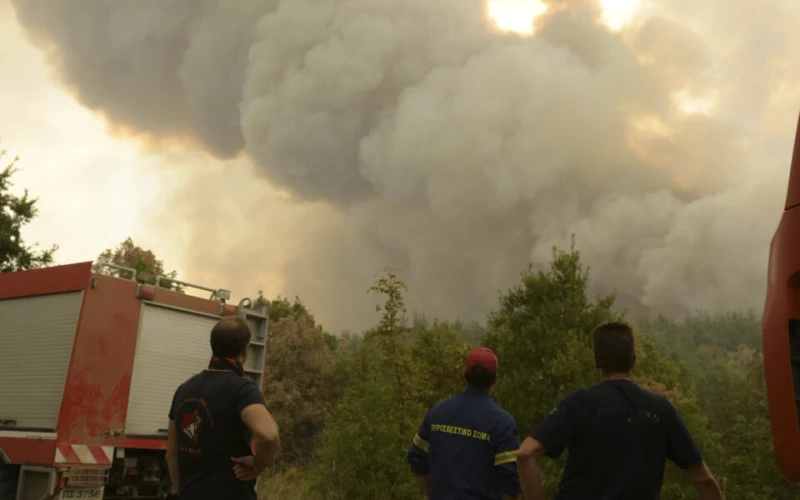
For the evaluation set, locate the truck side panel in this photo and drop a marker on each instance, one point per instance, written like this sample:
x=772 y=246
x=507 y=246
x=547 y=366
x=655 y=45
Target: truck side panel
x=173 y=344
x=21 y=447
x=46 y=281
x=36 y=339
x=96 y=393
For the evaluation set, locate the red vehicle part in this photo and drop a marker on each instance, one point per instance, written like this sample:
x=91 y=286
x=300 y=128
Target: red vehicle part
x=781 y=329
x=86 y=362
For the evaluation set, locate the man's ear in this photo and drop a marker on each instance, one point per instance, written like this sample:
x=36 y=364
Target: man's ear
x=634 y=359
x=596 y=363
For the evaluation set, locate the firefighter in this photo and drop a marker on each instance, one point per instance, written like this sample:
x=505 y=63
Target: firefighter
x=466 y=447
x=618 y=435
x=213 y=417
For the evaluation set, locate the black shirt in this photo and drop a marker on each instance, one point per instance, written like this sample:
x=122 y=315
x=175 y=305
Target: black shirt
x=207 y=411
x=619 y=436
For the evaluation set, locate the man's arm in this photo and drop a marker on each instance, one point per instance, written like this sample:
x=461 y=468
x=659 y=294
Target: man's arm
x=505 y=448
x=704 y=482
x=172 y=456
x=424 y=483
x=550 y=438
x=252 y=409
x=418 y=454
x=683 y=451
x=265 y=434
x=529 y=464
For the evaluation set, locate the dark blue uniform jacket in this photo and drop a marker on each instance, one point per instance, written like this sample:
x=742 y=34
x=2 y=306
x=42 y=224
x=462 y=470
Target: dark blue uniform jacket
x=468 y=446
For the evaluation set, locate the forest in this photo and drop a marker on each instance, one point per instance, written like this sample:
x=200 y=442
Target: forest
x=348 y=404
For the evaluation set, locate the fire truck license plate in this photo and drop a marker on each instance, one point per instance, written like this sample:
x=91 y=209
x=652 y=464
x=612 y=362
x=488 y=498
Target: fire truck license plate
x=93 y=493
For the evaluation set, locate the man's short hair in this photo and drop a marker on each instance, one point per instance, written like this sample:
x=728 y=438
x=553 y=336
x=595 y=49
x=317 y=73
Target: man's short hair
x=614 y=347
x=229 y=337
x=479 y=377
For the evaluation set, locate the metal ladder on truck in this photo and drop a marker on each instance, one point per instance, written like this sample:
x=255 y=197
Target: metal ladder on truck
x=258 y=320
x=254 y=366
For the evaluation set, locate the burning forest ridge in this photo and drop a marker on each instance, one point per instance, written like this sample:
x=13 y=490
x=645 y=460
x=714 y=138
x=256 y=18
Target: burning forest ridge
x=413 y=134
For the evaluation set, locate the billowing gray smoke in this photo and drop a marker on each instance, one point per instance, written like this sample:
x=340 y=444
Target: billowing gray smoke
x=458 y=154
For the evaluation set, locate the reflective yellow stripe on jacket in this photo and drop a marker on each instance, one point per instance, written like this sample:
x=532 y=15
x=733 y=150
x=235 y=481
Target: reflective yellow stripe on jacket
x=421 y=444
x=505 y=457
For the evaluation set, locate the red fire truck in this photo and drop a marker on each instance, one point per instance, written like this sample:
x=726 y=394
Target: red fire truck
x=781 y=329
x=89 y=361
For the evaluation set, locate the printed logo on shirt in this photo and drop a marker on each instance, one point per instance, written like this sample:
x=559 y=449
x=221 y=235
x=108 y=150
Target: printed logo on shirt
x=631 y=414
x=194 y=418
x=191 y=424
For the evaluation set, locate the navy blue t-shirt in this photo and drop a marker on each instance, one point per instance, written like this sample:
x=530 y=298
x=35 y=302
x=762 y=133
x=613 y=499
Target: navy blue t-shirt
x=207 y=411
x=618 y=436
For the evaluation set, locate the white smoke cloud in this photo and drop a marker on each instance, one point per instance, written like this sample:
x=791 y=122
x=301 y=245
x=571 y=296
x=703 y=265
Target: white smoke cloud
x=433 y=144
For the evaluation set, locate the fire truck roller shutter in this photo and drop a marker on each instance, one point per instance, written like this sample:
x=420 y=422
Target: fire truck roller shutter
x=172 y=346
x=36 y=337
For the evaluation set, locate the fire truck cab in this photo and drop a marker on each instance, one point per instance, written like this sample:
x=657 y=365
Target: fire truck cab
x=781 y=329
x=89 y=362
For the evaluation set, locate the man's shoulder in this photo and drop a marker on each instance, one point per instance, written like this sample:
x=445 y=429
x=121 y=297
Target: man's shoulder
x=235 y=385
x=644 y=396
x=190 y=382
x=448 y=405
x=228 y=381
x=642 y=392
x=572 y=401
x=501 y=414
x=577 y=396
x=503 y=418
x=443 y=404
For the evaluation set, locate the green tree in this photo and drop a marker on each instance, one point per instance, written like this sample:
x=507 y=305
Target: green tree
x=690 y=338
x=280 y=308
x=147 y=266
x=299 y=383
x=15 y=213
x=391 y=334
x=368 y=434
x=438 y=352
x=541 y=336
x=736 y=405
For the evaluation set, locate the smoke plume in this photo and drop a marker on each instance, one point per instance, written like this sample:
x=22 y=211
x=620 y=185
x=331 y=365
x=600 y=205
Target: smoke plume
x=409 y=133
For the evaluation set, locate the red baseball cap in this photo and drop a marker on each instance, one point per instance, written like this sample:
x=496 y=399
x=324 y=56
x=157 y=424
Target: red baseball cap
x=482 y=356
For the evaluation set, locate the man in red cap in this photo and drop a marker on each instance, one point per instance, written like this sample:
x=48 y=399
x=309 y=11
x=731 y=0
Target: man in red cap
x=466 y=447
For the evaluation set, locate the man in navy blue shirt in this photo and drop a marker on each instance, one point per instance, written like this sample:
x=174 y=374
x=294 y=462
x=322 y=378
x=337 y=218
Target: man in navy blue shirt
x=213 y=418
x=466 y=447
x=618 y=434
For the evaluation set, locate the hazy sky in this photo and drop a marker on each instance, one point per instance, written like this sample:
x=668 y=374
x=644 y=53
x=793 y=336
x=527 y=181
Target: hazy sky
x=98 y=185
x=92 y=187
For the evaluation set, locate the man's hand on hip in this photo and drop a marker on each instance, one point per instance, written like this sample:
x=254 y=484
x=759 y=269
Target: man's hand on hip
x=246 y=468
